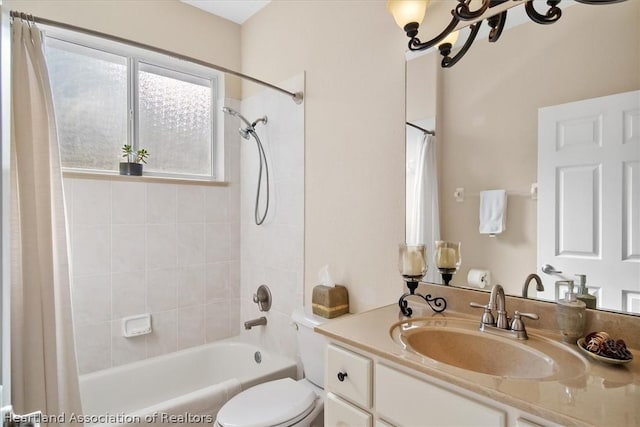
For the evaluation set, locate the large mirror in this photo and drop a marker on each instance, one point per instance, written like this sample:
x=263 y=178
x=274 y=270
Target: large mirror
x=485 y=113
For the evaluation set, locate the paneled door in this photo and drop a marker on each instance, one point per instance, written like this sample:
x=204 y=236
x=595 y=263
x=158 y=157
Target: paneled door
x=589 y=197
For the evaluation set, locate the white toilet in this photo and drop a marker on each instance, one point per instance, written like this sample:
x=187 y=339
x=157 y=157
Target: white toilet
x=285 y=402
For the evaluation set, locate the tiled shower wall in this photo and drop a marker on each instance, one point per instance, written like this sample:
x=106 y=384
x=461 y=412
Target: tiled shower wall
x=273 y=253
x=172 y=250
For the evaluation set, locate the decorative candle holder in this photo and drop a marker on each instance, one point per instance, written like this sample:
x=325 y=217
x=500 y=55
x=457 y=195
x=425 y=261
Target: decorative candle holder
x=412 y=264
x=447 y=259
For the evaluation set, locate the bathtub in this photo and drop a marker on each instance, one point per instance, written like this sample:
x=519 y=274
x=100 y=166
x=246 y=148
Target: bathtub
x=187 y=387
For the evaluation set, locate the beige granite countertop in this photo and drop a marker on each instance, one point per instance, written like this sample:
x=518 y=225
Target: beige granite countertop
x=607 y=395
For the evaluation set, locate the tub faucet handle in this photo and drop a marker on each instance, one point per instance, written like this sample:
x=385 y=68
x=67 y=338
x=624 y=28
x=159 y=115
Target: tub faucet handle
x=263 y=298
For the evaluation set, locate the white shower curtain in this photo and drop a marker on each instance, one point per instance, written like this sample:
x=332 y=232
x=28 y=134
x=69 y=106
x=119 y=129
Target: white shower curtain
x=423 y=221
x=44 y=372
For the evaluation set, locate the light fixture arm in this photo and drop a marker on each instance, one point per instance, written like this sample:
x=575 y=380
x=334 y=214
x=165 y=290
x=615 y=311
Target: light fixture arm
x=553 y=14
x=415 y=44
x=463 y=13
x=496 y=23
x=445 y=48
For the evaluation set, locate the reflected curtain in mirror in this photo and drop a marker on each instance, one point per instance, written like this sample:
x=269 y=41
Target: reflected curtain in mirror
x=423 y=219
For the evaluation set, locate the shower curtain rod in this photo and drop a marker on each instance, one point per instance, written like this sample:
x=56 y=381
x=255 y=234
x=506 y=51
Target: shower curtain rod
x=429 y=132
x=296 y=96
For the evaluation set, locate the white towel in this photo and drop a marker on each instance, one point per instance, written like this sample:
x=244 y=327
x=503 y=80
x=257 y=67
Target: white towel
x=493 y=211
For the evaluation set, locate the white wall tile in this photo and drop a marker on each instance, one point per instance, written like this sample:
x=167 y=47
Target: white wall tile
x=128 y=294
x=161 y=203
x=126 y=350
x=162 y=290
x=217 y=321
x=164 y=338
x=191 y=285
x=93 y=346
x=128 y=202
x=91 y=250
x=91 y=299
x=161 y=246
x=218 y=241
x=216 y=206
x=128 y=248
x=191 y=207
x=191 y=330
x=191 y=246
x=95 y=205
x=217 y=282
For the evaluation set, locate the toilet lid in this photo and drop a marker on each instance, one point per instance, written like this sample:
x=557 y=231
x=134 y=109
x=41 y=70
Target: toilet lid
x=267 y=404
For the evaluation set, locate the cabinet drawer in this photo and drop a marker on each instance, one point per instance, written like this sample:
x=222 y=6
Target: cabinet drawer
x=339 y=413
x=349 y=375
x=407 y=401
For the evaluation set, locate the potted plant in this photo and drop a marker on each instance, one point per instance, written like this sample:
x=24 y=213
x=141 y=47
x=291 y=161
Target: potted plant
x=134 y=160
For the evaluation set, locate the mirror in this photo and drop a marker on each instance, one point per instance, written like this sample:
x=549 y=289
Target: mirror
x=487 y=137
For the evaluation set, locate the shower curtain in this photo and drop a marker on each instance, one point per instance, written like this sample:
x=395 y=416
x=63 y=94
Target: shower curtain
x=423 y=221
x=44 y=372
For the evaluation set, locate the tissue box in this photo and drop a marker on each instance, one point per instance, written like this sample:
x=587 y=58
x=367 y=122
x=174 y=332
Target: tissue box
x=330 y=302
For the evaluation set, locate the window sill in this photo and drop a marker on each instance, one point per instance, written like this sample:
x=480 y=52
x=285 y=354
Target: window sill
x=66 y=173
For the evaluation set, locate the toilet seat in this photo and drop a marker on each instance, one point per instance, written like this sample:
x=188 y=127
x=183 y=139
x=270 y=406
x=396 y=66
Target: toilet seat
x=275 y=403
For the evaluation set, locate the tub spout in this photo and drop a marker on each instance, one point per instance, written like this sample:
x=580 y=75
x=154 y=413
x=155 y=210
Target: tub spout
x=255 y=322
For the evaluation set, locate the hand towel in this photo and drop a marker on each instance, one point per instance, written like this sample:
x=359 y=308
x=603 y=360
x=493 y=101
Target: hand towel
x=493 y=211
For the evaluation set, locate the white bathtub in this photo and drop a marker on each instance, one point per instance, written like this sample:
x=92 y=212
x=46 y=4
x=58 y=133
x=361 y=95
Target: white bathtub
x=185 y=387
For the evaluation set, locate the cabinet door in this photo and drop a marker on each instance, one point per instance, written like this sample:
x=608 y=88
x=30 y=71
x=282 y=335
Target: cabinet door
x=407 y=401
x=349 y=375
x=338 y=413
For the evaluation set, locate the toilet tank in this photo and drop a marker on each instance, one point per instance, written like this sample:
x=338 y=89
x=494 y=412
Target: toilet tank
x=312 y=346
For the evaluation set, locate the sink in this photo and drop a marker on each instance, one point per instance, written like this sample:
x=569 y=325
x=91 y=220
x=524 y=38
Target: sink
x=459 y=343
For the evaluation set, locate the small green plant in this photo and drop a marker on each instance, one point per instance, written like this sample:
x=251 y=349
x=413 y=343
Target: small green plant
x=132 y=156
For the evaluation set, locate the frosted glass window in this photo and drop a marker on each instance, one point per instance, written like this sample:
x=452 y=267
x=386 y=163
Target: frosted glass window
x=90 y=101
x=108 y=94
x=175 y=120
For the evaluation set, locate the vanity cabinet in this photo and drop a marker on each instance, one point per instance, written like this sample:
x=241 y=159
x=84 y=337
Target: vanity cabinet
x=409 y=401
x=366 y=390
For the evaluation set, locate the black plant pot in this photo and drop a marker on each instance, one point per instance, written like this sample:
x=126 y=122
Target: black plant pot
x=133 y=169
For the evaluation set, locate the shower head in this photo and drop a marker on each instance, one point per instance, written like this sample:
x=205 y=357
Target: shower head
x=233 y=112
x=250 y=127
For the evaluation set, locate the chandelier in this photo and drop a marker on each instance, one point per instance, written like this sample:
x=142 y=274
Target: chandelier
x=409 y=14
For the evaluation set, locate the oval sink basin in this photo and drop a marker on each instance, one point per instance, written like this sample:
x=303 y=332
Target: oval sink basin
x=459 y=343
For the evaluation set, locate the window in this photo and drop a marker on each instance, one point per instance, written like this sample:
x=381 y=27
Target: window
x=107 y=94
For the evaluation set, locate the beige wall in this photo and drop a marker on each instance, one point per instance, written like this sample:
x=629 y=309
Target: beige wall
x=592 y=51
x=352 y=53
x=168 y=24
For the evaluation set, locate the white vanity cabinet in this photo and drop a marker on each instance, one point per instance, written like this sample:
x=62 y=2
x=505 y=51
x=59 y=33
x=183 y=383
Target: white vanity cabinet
x=368 y=390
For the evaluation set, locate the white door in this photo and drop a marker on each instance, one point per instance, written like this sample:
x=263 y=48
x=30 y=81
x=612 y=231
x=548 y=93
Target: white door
x=589 y=197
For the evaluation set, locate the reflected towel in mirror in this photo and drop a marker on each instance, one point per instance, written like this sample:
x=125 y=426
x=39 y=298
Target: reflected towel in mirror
x=493 y=211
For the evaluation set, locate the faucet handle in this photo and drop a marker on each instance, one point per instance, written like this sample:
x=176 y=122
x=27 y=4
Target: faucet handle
x=517 y=324
x=487 y=316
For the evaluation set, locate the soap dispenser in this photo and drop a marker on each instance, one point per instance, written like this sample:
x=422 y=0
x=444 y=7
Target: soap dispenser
x=570 y=314
x=583 y=292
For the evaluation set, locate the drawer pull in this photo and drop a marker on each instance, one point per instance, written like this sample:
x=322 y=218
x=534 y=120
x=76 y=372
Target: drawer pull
x=342 y=376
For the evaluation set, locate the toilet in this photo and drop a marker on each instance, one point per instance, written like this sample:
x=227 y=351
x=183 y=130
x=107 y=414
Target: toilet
x=285 y=402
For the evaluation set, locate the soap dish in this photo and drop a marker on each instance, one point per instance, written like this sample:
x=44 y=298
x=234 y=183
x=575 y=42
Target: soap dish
x=610 y=360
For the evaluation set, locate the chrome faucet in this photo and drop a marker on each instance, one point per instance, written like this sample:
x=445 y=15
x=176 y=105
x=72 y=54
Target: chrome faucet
x=500 y=325
x=527 y=282
x=497 y=292
x=255 y=322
